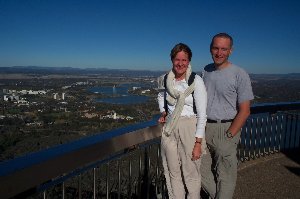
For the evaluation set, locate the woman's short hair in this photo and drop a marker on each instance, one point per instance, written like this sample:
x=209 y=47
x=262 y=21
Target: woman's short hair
x=181 y=47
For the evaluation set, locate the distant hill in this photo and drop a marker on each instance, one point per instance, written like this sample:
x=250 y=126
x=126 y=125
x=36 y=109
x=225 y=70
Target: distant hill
x=40 y=70
x=291 y=76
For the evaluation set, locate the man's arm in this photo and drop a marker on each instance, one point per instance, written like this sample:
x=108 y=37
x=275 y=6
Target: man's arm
x=240 y=118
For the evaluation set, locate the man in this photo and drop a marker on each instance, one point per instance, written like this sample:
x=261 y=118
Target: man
x=229 y=93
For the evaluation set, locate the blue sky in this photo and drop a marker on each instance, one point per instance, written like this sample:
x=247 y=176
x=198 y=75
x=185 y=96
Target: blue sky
x=139 y=34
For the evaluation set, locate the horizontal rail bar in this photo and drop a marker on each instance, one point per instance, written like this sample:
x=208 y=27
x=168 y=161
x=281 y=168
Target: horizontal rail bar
x=274 y=107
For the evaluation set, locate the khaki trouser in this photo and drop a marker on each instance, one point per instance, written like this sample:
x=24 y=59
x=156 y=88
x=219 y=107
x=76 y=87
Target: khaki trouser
x=180 y=171
x=219 y=165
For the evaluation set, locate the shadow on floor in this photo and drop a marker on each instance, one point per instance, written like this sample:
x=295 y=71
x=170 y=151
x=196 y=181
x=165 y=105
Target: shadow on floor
x=293 y=155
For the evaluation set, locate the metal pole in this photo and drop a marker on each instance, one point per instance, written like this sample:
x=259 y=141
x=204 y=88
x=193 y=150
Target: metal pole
x=119 y=179
x=94 y=182
x=107 y=181
x=79 y=186
x=63 y=190
x=140 y=177
x=148 y=171
x=130 y=179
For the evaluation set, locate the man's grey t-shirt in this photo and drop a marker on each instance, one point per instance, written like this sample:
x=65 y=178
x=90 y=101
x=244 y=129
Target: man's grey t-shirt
x=226 y=88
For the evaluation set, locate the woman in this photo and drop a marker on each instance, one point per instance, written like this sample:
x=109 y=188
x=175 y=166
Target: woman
x=182 y=139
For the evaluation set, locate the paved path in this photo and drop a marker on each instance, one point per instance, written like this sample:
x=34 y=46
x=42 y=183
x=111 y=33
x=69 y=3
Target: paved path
x=274 y=176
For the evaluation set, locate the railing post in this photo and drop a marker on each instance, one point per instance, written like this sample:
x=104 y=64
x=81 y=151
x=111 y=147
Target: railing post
x=276 y=133
x=107 y=181
x=140 y=177
x=63 y=190
x=79 y=186
x=293 y=131
x=94 y=183
x=265 y=134
x=147 y=170
x=119 y=179
x=297 y=142
x=130 y=179
x=157 y=171
x=281 y=131
x=271 y=129
x=260 y=137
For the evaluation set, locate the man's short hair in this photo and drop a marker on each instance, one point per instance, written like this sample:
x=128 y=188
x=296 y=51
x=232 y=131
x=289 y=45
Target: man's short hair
x=223 y=35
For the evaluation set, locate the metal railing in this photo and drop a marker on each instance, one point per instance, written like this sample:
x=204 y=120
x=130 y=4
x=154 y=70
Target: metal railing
x=266 y=134
x=126 y=163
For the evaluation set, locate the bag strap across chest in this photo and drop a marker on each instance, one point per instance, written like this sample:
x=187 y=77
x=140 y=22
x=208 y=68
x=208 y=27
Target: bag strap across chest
x=190 y=81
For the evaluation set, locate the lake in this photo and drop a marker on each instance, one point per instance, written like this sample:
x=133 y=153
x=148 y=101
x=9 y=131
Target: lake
x=119 y=94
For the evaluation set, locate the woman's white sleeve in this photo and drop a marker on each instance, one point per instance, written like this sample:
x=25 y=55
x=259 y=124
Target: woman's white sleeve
x=161 y=101
x=200 y=97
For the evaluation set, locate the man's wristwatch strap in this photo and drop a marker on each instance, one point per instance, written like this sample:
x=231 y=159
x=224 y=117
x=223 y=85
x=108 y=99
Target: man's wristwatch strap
x=229 y=134
x=199 y=142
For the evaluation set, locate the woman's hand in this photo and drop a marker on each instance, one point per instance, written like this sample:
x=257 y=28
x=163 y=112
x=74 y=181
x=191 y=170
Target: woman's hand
x=196 y=151
x=162 y=118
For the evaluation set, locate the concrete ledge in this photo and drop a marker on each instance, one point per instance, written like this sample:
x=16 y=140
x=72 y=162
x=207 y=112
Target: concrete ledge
x=273 y=176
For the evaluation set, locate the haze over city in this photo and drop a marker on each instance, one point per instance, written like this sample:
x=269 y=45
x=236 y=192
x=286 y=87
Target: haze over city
x=140 y=34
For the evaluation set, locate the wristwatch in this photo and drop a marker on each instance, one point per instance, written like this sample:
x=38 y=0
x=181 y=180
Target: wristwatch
x=229 y=134
x=199 y=141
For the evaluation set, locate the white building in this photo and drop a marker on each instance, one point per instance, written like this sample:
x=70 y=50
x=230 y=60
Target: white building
x=135 y=87
x=55 y=96
x=144 y=91
x=11 y=98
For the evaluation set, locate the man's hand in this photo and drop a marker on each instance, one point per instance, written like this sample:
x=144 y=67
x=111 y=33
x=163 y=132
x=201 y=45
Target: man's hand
x=240 y=118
